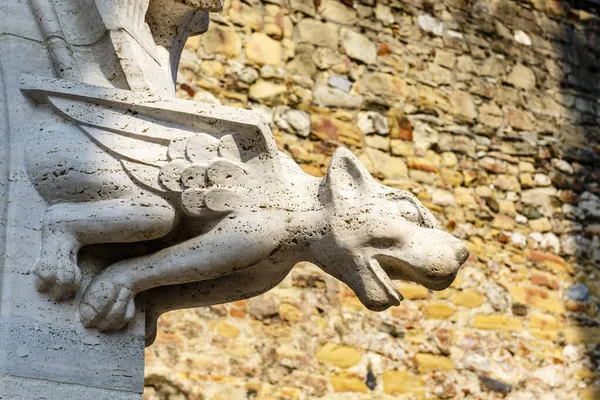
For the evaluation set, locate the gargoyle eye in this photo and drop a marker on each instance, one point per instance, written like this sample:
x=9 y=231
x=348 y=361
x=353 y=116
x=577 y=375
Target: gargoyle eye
x=409 y=211
x=383 y=243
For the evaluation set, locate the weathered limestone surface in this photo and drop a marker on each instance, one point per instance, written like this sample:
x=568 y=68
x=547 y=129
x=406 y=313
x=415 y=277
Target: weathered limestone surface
x=492 y=119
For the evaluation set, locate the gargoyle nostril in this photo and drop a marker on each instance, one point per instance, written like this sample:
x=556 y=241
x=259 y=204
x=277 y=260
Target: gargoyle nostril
x=462 y=255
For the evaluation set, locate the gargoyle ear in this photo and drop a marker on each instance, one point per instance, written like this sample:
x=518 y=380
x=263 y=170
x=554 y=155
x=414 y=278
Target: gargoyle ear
x=347 y=178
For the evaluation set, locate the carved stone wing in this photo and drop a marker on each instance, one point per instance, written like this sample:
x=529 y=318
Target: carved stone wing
x=215 y=156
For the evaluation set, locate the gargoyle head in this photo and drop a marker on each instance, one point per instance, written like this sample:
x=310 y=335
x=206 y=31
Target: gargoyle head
x=378 y=234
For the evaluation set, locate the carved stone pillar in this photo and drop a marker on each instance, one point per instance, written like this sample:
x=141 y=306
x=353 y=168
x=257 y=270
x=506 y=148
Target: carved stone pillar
x=45 y=352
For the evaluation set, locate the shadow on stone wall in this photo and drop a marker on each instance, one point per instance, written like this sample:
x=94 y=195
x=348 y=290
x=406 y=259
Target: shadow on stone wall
x=566 y=39
x=569 y=32
x=579 y=44
x=577 y=39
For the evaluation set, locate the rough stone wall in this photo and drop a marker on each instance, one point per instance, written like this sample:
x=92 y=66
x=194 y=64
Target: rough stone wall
x=487 y=111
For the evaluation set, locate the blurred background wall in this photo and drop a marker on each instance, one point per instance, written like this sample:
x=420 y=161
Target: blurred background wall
x=486 y=110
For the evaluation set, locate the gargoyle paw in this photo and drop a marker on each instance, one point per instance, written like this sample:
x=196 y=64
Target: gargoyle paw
x=59 y=278
x=106 y=306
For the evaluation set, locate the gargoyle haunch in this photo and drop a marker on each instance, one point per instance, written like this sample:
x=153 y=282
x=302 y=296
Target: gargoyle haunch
x=121 y=160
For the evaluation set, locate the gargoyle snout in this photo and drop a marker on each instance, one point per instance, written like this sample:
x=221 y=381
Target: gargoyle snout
x=432 y=258
x=462 y=254
x=456 y=251
x=461 y=251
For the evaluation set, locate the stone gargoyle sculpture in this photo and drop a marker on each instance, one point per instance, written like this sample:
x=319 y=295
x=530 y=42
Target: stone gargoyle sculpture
x=131 y=165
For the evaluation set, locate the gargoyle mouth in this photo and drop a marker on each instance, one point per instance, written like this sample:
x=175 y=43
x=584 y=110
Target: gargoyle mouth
x=431 y=277
x=385 y=280
x=378 y=291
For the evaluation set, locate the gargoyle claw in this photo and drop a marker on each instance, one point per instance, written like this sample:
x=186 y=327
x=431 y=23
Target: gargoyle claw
x=60 y=279
x=106 y=306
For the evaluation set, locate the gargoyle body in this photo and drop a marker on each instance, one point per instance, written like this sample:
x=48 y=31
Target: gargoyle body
x=133 y=165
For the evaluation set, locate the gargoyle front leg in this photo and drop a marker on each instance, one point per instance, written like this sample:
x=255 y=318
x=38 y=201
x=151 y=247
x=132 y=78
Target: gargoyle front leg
x=69 y=226
x=233 y=245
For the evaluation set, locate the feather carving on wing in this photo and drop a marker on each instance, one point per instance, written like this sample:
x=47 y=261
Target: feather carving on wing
x=211 y=175
x=173 y=146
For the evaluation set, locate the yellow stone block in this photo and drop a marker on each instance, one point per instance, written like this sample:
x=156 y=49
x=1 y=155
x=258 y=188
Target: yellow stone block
x=322 y=322
x=464 y=196
x=402 y=382
x=458 y=281
x=526 y=180
x=540 y=225
x=506 y=207
x=520 y=273
x=410 y=291
x=212 y=68
x=327 y=128
x=287 y=393
x=550 y=261
x=353 y=303
x=348 y=383
x=475 y=245
x=558 y=267
x=503 y=222
x=546 y=279
x=261 y=49
x=415 y=336
x=226 y=330
x=468 y=298
x=288 y=351
x=312 y=170
x=422 y=164
x=289 y=312
x=434 y=208
x=193 y=43
x=275 y=330
x=497 y=322
x=537 y=297
x=538 y=350
x=402 y=147
x=542 y=321
x=439 y=309
x=442 y=294
x=451 y=177
x=427 y=362
x=239 y=349
x=339 y=355
x=543 y=326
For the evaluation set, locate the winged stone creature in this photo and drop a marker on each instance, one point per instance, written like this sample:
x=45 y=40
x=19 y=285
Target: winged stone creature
x=255 y=212
x=119 y=159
